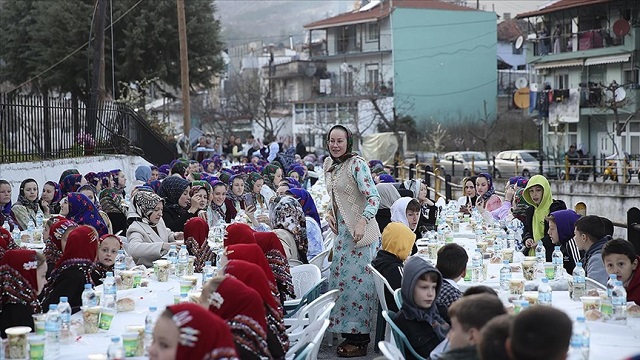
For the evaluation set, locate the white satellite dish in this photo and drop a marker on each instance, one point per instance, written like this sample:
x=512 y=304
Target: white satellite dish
x=621 y=94
x=519 y=42
x=521 y=82
x=533 y=87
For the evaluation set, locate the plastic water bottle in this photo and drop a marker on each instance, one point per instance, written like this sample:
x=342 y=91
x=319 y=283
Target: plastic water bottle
x=109 y=295
x=183 y=261
x=505 y=275
x=65 y=314
x=579 y=282
x=184 y=298
x=6 y=225
x=15 y=235
x=207 y=272
x=52 y=325
x=557 y=259
x=619 y=302
x=544 y=293
x=149 y=324
x=89 y=298
x=580 y=327
x=576 y=342
x=611 y=283
x=116 y=350
x=511 y=240
x=541 y=253
x=39 y=218
x=497 y=245
x=119 y=264
x=476 y=266
x=172 y=257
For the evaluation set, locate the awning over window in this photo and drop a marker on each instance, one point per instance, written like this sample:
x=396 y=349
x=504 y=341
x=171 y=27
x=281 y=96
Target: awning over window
x=559 y=64
x=612 y=59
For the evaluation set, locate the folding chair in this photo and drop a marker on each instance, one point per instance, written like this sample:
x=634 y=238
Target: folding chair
x=401 y=338
x=383 y=330
x=390 y=351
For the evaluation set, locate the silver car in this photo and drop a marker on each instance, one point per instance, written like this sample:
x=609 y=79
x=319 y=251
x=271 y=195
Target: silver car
x=464 y=163
x=516 y=163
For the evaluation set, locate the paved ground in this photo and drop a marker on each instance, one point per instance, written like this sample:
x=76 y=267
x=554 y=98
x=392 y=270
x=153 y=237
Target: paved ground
x=327 y=352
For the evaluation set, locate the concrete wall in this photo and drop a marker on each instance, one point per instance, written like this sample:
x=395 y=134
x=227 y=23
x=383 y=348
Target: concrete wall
x=445 y=63
x=43 y=171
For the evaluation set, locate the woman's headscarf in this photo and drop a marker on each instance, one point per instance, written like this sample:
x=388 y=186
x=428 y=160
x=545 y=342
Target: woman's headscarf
x=53 y=245
x=414 y=186
x=92 y=178
x=250 y=181
x=415 y=267
x=243 y=309
x=287 y=214
x=144 y=202
x=292 y=183
x=399 y=211
x=71 y=183
x=6 y=242
x=143 y=173
x=22 y=199
x=307 y=203
x=19 y=279
x=84 y=212
x=104 y=179
x=171 y=189
x=164 y=169
x=276 y=257
x=154 y=185
x=203 y=334
x=239 y=233
x=268 y=174
x=297 y=169
x=251 y=253
x=541 y=210
x=388 y=195
x=82 y=244
x=197 y=229
x=386 y=179
x=490 y=190
x=66 y=173
x=116 y=180
x=349 y=151
x=111 y=201
x=398 y=239
x=94 y=191
x=57 y=193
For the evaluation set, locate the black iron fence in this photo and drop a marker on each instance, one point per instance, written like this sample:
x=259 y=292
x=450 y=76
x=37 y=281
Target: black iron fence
x=36 y=128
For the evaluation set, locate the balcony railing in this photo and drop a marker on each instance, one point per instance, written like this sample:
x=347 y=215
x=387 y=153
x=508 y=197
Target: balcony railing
x=580 y=41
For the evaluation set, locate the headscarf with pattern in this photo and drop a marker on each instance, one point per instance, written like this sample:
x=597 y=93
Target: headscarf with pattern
x=6 y=242
x=196 y=231
x=19 y=279
x=71 y=183
x=144 y=202
x=292 y=183
x=53 y=245
x=268 y=174
x=171 y=189
x=491 y=190
x=84 y=212
x=252 y=179
x=92 y=178
x=154 y=185
x=57 y=194
x=287 y=214
x=66 y=173
x=349 y=151
x=308 y=204
x=22 y=199
x=111 y=201
x=230 y=195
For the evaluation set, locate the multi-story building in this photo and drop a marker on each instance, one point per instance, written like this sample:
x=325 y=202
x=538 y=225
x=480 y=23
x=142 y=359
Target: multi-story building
x=586 y=53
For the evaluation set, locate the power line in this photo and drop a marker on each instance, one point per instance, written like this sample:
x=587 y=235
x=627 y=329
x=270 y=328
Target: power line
x=447 y=53
x=493 y=81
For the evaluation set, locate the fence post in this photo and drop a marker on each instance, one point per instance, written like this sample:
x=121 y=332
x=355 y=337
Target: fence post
x=633 y=235
x=411 y=168
x=595 y=173
x=566 y=167
x=47 y=126
x=447 y=187
x=453 y=169
x=427 y=180
x=493 y=171
x=395 y=170
x=438 y=183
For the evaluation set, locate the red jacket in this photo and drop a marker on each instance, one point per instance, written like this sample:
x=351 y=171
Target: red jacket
x=633 y=289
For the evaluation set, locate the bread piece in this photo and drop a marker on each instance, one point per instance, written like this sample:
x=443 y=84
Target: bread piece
x=594 y=315
x=126 y=304
x=633 y=311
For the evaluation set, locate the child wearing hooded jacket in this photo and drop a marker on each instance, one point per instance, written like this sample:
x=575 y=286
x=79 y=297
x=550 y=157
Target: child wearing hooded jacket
x=538 y=194
x=418 y=317
x=561 y=231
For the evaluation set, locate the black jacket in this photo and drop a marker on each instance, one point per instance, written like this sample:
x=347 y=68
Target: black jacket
x=420 y=334
x=118 y=222
x=175 y=219
x=528 y=230
x=15 y=315
x=69 y=283
x=383 y=217
x=389 y=266
x=463 y=353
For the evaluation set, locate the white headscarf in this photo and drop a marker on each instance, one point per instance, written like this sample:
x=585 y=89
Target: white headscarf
x=414 y=186
x=399 y=211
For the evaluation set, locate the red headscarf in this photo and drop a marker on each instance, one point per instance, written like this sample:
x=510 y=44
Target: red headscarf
x=254 y=277
x=19 y=279
x=239 y=233
x=268 y=240
x=206 y=335
x=82 y=243
x=5 y=238
x=253 y=254
x=57 y=230
x=274 y=252
x=196 y=228
x=233 y=299
x=24 y=262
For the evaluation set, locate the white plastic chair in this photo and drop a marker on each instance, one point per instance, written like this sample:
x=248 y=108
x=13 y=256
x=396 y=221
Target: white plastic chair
x=328 y=240
x=319 y=260
x=311 y=312
x=390 y=351
x=381 y=285
x=304 y=277
x=294 y=262
x=397 y=295
x=309 y=344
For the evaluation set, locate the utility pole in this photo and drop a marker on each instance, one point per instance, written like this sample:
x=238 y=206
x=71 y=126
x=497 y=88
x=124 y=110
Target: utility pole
x=98 y=61
x=184 y=72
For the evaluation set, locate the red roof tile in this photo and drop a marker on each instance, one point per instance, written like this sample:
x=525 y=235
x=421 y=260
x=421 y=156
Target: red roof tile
x=383 y=10
x=510 y=30
x=561 y=5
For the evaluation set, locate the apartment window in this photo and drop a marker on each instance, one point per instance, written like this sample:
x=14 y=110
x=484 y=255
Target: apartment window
x=630 y=140
x=561 y=81
x=373 y=32
x=372 y=77
x=347 y=83
x=564 y=134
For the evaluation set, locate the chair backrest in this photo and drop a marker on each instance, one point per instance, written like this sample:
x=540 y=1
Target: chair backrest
x=308 y=297
x=390 y=351
x=312 y=332
x=382 y=285
x=304 y=277
x=398 y=297
x=294 y=263
x=399 y=336
x=328 y=237
x=318 y=309
x=318 y=260
x=592 y=284
x=317 y=340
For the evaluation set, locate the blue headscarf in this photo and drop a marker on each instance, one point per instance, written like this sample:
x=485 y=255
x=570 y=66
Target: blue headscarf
x=307 y=203
x=143 y=173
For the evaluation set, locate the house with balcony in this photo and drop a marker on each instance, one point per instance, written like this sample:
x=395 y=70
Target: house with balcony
x=428 y=59
x=586 y=55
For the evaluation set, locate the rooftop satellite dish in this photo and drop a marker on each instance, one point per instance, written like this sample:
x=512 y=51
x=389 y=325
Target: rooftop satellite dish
x=344 y=67
x=533 y=87
x=311 y=69
x=621 y=27
x=521 y=82
x=519 y=42
x=621 y=94
x=521 y=98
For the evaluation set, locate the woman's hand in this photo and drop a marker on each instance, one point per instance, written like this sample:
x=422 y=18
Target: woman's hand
x=195 y=203
x=509 y=193
x=264 y=219
x=45 y=206
x=203 y=215
x=479 y=203
x=530 y=243
x=332 y=223
x=358 y=233
x=178 y=235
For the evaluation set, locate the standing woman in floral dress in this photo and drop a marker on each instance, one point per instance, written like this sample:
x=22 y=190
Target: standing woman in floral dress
x=351 y=215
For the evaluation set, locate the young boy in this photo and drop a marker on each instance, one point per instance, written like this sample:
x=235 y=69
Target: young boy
x=561 y=230
x=539 y=333
x=468 y=317
x=493 y=337
x=418 y=319
x=452 y=264
x=620 y=258
x=590 y=235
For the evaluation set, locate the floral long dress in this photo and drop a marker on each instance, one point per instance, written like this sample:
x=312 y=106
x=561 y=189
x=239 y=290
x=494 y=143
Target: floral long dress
x=356 y=304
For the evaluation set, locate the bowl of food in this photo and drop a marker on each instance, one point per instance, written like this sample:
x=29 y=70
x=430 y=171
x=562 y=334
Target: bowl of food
x=17 y=342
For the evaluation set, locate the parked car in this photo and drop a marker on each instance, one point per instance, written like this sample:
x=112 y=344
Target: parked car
x=422 y=157
x=463 y=163
x=516 y=163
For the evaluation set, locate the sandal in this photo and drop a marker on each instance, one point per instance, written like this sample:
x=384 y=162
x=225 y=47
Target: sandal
x=350 y=349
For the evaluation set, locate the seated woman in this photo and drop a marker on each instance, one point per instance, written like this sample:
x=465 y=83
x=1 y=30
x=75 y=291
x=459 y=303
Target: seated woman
x=272 y=175
x=91 y=193
x=22 y=275
x=80 y=209
x=50 y=198
x=6 y=242
x=239 y=233
x=252 y=276
x=73 y=270
x=428 y=210
x=243 y=309
x=111 y=202
x=234 y=195
x=418 y=317
x=407 y=211
x=397 y=241
x=59 y=231
x=71 y=183
x=6 y=214
x=487 y=198
x=175 y=192
x=28 y=204
x=189 y=331
x=196 y=231
x=388 y=195
x=468 y=200
x=253 y=254
x=290 y=225
x=314 y=231
x=220 y=210
x=148 y=237
x=108 y=247
x=276 y=259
